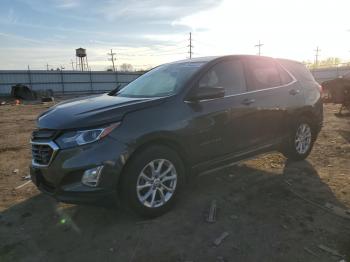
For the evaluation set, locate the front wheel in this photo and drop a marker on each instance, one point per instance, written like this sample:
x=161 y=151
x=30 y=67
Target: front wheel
x=152 y=180
x=300 y=141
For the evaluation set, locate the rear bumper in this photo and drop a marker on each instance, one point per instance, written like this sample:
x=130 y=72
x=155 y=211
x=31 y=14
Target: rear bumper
x=62 y=178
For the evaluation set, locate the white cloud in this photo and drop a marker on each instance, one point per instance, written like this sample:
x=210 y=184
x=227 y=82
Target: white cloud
x=67 y=4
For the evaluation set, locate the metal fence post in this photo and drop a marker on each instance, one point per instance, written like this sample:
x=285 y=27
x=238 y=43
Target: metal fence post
x=30 y=79
x=92 y=89
x=62 y=82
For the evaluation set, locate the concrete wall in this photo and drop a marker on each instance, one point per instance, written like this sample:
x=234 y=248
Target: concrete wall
x=64 y=81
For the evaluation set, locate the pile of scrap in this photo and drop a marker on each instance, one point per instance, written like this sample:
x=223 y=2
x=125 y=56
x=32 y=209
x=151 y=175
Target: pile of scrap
x=337 y=91
x=23 y=92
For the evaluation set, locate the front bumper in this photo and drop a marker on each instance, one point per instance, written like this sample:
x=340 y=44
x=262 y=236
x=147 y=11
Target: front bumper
x=62 y=178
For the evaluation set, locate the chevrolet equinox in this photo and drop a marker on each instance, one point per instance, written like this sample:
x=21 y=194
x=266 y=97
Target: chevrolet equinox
x=142 y=142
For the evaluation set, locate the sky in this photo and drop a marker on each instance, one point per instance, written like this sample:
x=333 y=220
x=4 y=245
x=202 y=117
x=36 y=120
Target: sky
x=151 y=32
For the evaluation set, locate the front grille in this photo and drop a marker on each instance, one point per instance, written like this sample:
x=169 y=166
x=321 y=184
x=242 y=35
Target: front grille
x=42 y=153
x=43 y=134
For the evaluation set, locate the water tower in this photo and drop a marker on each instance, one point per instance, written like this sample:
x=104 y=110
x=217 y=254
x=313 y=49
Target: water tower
x=81 y=59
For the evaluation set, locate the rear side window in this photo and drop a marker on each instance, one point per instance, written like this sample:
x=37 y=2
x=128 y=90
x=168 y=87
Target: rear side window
x=227 y=74
x=263 y=73
x=298 y=70
x=285 y=77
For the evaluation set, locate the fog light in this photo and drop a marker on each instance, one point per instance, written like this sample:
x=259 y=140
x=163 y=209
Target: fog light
x=91 y=176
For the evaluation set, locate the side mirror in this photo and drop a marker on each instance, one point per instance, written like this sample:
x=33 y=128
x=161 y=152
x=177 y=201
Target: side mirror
x=207 y=92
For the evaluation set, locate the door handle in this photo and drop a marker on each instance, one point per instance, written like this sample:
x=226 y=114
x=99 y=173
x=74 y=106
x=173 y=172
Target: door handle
x=248 y=101
x=294 y=92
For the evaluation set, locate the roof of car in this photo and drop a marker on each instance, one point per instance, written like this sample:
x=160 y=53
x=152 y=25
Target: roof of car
x=208 y=59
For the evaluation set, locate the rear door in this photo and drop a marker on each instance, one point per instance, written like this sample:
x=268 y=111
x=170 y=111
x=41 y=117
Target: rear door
x=272 y=92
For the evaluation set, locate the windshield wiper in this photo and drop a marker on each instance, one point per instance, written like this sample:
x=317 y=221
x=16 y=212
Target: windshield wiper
x=115 y=90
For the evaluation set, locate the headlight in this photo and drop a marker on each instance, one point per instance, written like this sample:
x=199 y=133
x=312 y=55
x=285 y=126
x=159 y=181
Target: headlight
x=82 y=137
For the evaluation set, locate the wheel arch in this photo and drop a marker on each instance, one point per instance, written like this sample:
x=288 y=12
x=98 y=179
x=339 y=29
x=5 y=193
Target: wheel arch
x=158 y=141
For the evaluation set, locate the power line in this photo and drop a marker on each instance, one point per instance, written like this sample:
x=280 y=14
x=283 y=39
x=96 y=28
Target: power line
x=259 y=47
x=112 y=58
x=152 y=52
x=190 y=46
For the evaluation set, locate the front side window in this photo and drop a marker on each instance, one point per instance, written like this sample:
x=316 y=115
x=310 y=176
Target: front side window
x=164 y=80
x=228 y=74
x=263 y=73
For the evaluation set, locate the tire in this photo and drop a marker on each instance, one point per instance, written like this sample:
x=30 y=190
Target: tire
x=152 y=181
x=299 y=144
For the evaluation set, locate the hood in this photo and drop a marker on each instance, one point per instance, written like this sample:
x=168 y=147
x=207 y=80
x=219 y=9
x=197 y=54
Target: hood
x=92 y=111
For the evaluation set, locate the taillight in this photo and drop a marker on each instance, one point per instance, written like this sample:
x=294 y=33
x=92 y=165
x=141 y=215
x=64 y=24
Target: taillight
x=320 y=88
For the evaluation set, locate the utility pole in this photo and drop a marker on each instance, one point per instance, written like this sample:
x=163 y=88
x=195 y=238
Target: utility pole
x=112 y=58
x=72 y=64
x=190 y=46
x=47 y=66
x=259 y=47
x=317 y=50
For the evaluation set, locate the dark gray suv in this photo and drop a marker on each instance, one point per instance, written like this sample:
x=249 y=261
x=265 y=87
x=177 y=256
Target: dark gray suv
x=141 y=143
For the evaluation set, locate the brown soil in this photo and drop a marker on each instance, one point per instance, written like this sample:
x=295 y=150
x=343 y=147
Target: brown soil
x=273 y=210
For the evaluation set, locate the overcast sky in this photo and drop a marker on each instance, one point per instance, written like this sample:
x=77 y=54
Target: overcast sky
x=149 y=32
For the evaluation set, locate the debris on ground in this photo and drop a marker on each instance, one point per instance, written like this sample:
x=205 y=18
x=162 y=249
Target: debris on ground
x=221 y=238
x=220 y=259
x=23 y=92
x=330 y=208
x=15 y=171
x=3 y=103
x=284 y=227
x=338 y=210
x=234 y=217
x=212 y=212
x=308 y=250
x=26 y=177
x=20 y=91
x=24 y=184
x=330 y=250
x=145 y=222
x=47 y=99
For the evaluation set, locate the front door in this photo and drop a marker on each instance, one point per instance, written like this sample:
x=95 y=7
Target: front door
x=221 y=123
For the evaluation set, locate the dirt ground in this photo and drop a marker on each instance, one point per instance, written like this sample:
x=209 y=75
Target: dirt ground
x=272 y=209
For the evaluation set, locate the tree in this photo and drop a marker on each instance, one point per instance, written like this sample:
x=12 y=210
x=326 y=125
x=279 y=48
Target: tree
x=126 y=67
x=328 y=62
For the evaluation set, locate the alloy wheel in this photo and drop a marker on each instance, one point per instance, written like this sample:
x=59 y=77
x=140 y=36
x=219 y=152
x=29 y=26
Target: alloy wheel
x=303 y=138
x=156 y=183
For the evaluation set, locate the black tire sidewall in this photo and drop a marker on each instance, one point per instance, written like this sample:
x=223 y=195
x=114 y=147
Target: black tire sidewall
x=131 y=174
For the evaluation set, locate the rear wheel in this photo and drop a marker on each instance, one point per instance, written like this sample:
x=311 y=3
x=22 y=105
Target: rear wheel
x=300 y=141
x=152 y=181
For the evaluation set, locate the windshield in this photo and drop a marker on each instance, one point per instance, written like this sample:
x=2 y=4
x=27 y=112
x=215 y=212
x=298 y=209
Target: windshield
x=164 y=80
